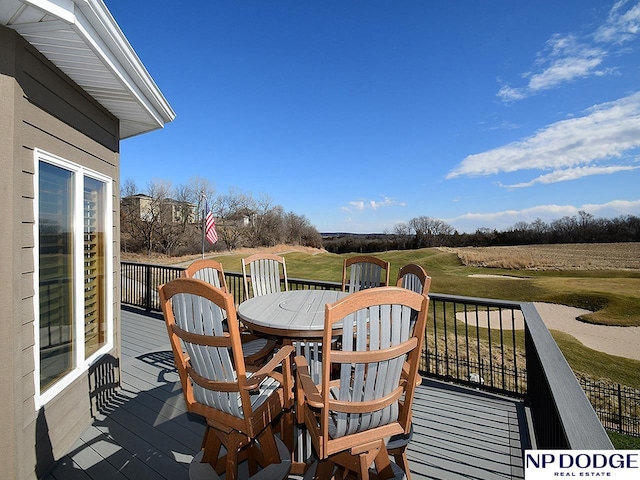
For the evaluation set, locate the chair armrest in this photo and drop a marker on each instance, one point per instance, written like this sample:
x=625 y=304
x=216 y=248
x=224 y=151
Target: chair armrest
x=255 y=358
x=268 y=369
x=405 y=374
x=310 y=389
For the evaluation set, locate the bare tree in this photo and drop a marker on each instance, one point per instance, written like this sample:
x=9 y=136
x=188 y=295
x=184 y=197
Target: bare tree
x=299 y=231
x=539 y=227
x=201 y=193
x=145 y=225
x=128 y=188
x=170 y=236
x=310 y=236
x=586 y=226
x=127 y=216
x=294 y=226
x=233 y=214
x=402 y=231
x=186 y=209
x=564 y=229
x=266 y=226
x=427 y=231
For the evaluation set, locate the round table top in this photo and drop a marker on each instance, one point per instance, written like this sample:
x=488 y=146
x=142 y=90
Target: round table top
x=295 y=314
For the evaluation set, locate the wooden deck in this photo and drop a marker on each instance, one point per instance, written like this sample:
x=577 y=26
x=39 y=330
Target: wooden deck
x=142 y=430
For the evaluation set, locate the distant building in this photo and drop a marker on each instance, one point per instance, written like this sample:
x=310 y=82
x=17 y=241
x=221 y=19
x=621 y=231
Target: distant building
x=138 y=205
x=241 y=218
x=169 y=210
x=174 y=211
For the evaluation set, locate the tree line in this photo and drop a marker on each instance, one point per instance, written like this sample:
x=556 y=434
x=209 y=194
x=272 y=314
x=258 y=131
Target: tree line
x=169 y=219
x=423 y=232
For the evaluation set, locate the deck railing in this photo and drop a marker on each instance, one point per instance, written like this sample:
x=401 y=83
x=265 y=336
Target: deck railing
x=493 y=345
x=617 y=406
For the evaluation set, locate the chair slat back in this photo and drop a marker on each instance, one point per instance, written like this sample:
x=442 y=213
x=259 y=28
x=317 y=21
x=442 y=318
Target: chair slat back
x=209 y=362
x=377 y=339
x=209 y=271
x=411 y=282
x=264 y=276
x=209 y=358
x=414 y=277
x=208 y=275
x=364 y=272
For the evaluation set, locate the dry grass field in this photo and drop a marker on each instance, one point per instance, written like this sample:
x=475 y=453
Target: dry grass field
x=575 y=256
x=157 y=258
x=581 y=256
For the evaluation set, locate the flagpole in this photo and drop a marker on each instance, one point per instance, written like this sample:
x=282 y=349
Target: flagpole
x=203 y=221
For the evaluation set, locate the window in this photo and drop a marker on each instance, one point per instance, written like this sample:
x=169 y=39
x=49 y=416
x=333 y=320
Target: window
x=94 y=266
x=74 y=291
x=55 y=291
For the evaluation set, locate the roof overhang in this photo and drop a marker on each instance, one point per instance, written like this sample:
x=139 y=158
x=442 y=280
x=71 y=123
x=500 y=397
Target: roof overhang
x=83 y=40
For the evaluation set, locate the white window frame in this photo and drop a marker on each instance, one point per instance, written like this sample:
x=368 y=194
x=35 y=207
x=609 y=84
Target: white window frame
x=81 y=365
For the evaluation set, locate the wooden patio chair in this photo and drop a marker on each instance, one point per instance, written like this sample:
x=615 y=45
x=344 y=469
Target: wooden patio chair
x=266 y=274
x=363 y=396
x=412 y=277
x=207 y=270
x=256 y=349
x=364 y=271
x=239 y=406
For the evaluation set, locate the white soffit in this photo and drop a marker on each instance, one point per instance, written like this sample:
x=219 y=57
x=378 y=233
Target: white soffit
x=83 y=40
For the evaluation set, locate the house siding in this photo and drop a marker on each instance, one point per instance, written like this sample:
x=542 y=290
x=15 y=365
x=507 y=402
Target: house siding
x=41 y=108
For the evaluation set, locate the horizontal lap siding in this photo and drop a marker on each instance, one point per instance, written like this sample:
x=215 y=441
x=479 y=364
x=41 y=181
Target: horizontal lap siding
x=46 y=111
x=10 y=392
x=51 y=91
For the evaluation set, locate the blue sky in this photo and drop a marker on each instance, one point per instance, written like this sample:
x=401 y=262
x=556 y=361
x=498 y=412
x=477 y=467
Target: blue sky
x=360 y=115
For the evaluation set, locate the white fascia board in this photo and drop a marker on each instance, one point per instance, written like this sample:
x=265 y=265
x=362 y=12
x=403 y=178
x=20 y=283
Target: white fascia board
x=123 y=66
x=93 y=23
x=62 y=9
x=96 y=24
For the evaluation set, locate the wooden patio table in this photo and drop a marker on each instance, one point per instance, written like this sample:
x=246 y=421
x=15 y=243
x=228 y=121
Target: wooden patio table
x=291 y=315
x=294 y=317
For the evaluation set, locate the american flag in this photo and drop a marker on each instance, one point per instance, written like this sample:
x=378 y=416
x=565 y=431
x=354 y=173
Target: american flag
x=210 y=228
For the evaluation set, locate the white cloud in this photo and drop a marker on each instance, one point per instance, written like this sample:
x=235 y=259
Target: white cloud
x=504 y=125
x=607 y=131
x=387 y=202
x=566 y=58
x=571 y=174
x=470 y=222
x=361 y=205
x=613 y=209
x=621 y=24
x=565 y=69
x=510 y=94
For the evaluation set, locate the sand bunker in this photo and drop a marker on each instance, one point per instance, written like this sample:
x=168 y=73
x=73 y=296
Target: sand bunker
x=619 y=341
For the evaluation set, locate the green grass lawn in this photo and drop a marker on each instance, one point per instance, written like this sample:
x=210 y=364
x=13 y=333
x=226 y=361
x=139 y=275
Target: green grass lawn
x=624 y=442
x=614 y=296
x=596 y=364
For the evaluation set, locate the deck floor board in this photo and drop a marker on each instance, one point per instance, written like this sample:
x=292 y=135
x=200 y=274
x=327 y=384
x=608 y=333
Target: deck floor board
x=146 y=432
